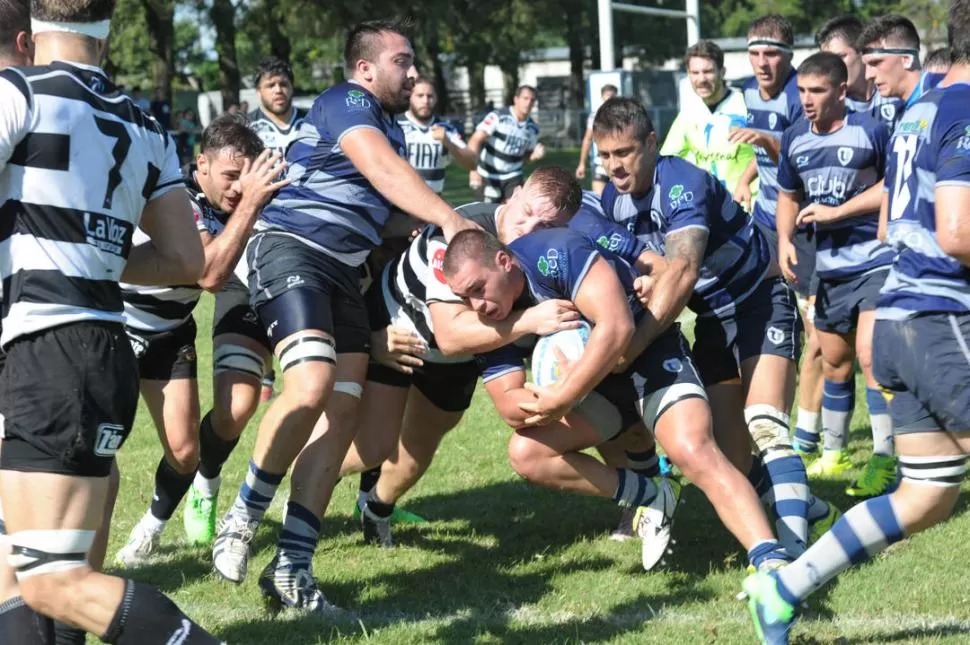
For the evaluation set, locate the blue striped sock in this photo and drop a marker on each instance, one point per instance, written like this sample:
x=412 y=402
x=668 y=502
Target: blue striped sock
x=789 y=491
x=768 y=550
x=838 y=401
x=882 y=423
x=256 y=493
x=633 y=489
x=298 y=540
x=758 y=478
x=644 y=463
x=806 y=430
x=865 y=530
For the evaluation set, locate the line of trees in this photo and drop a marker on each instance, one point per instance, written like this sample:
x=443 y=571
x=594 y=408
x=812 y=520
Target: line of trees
x=157 y=43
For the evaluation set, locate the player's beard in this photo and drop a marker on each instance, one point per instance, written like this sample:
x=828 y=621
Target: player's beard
x=396 y=100
x=423 y=114
x=281 y=111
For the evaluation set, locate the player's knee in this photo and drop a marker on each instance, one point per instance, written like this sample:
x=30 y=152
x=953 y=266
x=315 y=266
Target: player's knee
x=523 y=456
x=692 y=453
x=768 y=427
x=49 y=565
x=185 y=456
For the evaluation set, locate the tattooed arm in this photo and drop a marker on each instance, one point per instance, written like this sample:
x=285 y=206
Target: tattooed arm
x=674 y=287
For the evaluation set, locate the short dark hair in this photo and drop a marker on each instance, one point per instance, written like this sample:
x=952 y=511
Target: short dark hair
x=559 y=186
x=522 y=88
x=14 y=18
x=941 y=57
x=272 y=66
x=893 y=28
x=773 y=26
x=231 y=131
x=609 y=87
x=825 y=64
x=705 y=49
x=362 y=41
x=72 y=10
x=846 y=27
x=471 y=245
x=958 y=31
x=619 y=113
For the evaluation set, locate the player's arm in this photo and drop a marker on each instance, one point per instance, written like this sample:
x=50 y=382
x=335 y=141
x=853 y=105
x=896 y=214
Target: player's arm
x=865 y=203
x=507 y=393
x=15 y=113
x=482 y=132
x=584 y=153
x=257 y=185
x=394 y=178
x=173 y=254
x=742 y=192
x=458 y=330
x=770 y=144
x=883 y=228
x=461 y=153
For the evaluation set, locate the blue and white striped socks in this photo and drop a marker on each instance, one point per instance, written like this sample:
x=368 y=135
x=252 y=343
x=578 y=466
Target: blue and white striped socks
x=633 y=489
x=298 y=540
x=807 y=430
x=838 y=401
x=882 y=423
x=256 y=493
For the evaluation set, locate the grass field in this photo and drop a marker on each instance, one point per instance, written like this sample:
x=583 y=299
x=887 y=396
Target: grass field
x=505 y=562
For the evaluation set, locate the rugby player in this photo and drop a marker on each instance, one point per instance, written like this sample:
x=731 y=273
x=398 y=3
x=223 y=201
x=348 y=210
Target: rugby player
x=599 y=175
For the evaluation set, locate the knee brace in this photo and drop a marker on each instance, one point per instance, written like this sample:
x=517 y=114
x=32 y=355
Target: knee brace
x=945 y=472
x=307 y=347
x=769 y=428
x=236 y=358
x=349 y=388
x=36 y=553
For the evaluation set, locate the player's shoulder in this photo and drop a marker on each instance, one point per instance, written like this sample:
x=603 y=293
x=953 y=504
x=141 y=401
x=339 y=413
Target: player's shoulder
x=798 y=128
x=673 y=169
x=16 y=77
x=749 y=84
x=791 y=85
x=481 y=213
x=301 y=113
x=873 y=126
x=347 y=96
x=951 y=106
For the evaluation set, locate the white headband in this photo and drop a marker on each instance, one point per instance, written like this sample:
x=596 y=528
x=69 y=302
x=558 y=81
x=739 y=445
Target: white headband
x=769 y=43
x=97 y=30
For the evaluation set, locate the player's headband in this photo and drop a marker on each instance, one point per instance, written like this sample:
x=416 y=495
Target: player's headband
x=893 y=51
x=97 y=30
x=756 y=44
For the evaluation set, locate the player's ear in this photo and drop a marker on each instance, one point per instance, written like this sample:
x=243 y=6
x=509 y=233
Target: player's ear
x=202 y=163
x=503 y=261
x=652 y=142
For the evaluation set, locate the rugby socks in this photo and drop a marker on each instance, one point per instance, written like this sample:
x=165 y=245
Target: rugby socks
x=377 y=507
x=368 y=479
x=64 y=634
x=645 y=463
x=807 y=430
x=22 y=625
x=790 y=497
x=758 y=477
x=633 y=489
x=767 y=551
x=817 y=509
x=838 y=400
x=146 y=615
x=256 y=493
x=170 y=487
x=882 y=424
x=214 y=451
x=298 y=540
x=865 y=530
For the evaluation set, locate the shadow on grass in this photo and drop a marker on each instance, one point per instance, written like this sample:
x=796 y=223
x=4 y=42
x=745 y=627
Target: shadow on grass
x=912 y=634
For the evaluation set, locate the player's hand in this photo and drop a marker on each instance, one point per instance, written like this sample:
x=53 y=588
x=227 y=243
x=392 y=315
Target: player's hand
x=398 y=349
x=455 y=224
x=817 y=214
x=581 y=171
x=548 y=407
x=474 y=180
x=788 y=258
x=551 y=316
x=749 y=136
x=259 y=178
x=438 y=132
x=643 y=286
x=538 y=153
x=742 y=195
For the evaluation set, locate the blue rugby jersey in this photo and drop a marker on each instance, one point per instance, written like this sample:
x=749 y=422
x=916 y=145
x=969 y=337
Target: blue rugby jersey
x=330 y=205
x=885 y=109
x=930 y=148
x=772 y=117
x=830 y=169
x=683 y=196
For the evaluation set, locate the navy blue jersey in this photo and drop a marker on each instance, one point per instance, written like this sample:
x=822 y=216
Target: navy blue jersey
x=682 y=197
x=772 y=117
x=830 y=169
x=927 y=81
x=330 y=205
x=885 y=109
x=591 y=221
x=930 y=148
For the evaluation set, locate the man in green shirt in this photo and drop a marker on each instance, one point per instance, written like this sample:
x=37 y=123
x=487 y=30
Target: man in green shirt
x=699 y=134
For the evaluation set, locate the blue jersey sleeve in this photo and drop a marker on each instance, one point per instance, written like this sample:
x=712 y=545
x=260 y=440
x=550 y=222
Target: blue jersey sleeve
x=346 y=108
x=879 y=136
x=501 y=361
x=788 y=178
x=592 y=224
x=953 y=133
x=688 y=199
x=555 y=261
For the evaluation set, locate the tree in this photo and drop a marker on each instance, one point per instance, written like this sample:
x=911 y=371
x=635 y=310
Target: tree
x=160 y=20
x=222 y=13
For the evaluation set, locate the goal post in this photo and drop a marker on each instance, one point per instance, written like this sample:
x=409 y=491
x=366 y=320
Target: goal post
x=605 y=8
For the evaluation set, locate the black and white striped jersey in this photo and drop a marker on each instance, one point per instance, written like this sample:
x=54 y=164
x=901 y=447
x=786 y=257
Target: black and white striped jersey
x=157 y=309
x=426 y=155
x=509 y=143
x=414 y=279
x=78 y=163
x=274 y=137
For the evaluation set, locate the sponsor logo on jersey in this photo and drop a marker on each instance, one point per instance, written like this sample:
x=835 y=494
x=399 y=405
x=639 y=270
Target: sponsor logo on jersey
x=548 y=264
x=911 y=127
x=107 y=233
x=845 y=155
x=801 y=160
x=678 y=196
x=963 y=144
x=357 y=100
x=832 y=187
x=437 y=264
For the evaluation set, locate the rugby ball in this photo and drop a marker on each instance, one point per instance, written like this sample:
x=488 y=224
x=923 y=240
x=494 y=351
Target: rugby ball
x=545 y=364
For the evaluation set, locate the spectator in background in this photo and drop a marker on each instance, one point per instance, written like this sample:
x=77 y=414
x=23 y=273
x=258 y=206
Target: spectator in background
x=187 y=128
x=938 y=61
x=161 y=109
x=600 y=177
x=139 y=100
x=244 y=107
x=233 y=108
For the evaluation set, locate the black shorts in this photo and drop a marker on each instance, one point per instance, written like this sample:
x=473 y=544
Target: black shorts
x=805 y=248
x=294 y=287
x=68 y=396
x=838 y=303
x=234 y=315
x=766 y=322
x=498 y=192
x=168 y=355
x=449 y=386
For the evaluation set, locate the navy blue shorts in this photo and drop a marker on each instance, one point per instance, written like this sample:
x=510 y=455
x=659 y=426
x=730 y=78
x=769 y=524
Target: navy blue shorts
x=923 y=366
x=805 y=247
x=766 y=322
x=838 y=303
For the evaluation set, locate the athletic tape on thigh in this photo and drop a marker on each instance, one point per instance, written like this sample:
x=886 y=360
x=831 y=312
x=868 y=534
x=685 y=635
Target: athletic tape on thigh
x=654 y=405
x=305 y=348
x=35 y=553
x=349 y=388
x=768 y=427
x=945 y=472
x=602 y=415
x=236 y=358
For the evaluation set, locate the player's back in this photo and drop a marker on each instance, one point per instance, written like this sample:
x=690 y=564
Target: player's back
x=886 y=109
x=84 y=162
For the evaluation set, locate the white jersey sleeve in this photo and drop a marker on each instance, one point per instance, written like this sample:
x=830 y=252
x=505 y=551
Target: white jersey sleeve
x=455 y=138
x=171 y=175
x=14 y=119
x=488 y=124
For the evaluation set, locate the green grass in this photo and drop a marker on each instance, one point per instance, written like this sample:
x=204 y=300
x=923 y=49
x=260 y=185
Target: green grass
x=505 y=562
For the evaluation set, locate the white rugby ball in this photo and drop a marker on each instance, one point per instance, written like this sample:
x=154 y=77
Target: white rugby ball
x=545 y=364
